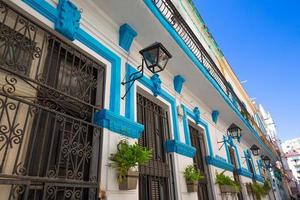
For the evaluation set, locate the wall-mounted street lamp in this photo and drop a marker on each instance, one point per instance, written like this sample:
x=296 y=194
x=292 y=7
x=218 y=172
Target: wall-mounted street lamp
x=255 y=150
x=267 y=161
x=155 y=56
x=234 y=131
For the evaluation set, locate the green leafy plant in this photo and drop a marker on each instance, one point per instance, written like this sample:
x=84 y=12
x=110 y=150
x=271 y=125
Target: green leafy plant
x=222 y=179
x=261 y=190
x=192 y=174
x=257 y=190
x=129 y=156
x=267 y=187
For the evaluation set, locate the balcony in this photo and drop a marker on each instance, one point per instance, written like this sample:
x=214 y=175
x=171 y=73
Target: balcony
x=172 y=15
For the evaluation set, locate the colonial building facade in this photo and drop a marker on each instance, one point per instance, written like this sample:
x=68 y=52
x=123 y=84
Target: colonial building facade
x=67 y=99
x=291 y=149
x=280 y=174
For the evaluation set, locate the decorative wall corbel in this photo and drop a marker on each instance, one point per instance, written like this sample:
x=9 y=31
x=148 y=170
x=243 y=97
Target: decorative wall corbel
x=68 y=19
x=214 y=116
x=178 y=83
x=126 y=36
x=156 y=85
x=196 y=112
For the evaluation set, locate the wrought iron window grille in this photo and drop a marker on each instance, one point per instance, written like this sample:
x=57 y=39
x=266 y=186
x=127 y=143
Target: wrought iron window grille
x=49 y=146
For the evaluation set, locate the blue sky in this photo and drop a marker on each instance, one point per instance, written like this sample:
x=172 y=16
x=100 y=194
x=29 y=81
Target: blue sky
x=261 y=41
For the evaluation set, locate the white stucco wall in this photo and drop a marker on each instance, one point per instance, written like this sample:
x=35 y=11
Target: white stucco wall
x=102 y=27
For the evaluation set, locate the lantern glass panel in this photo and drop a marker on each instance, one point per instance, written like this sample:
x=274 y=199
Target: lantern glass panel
x=150 y=57
x=255 y=150
x=234 y=131
x=156 y=57
x=235 y=134
x=163 y=59
x=267 y=161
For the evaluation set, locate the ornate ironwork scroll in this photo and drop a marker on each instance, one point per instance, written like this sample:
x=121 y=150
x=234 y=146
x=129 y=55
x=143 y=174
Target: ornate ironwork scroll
x=49 y=90
x=156 y=177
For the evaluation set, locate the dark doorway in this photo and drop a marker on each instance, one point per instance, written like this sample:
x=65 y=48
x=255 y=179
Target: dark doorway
x=250 y=191
x=155 y=182
x=249 y=163
x=235 y=173
x=198 y=141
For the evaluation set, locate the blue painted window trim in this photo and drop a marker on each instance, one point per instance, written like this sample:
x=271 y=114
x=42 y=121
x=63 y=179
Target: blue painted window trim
x=129 y=99
x=117 y=123
x=240 y=170
x=248 y=155
x=216 y=161
x=180 y=148
x=198 y=64
x=233 y=145
x=43 y=8
x=221 y=158
x=130 y=106
x=186 y=126
x=244 y=172
x=259 y=178
x=219 y=162
x=115 y=84
x=51 y=13
x=171 y=145
x=189 y=113
x=226 y=149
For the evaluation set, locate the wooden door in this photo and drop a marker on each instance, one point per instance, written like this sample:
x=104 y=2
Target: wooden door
x=235 y=174
x=155 y=181
x=198 y=141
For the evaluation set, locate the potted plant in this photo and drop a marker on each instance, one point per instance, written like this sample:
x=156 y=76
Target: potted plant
x=128 y=157
x=192 y=176
x=227 y=185
x=261 y=190
x=267 y=187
